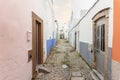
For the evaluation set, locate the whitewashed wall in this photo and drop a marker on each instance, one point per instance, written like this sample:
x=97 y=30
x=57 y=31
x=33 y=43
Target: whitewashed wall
x=86 y=33
x=85 y=30
x=79 y=8
x=86 y=23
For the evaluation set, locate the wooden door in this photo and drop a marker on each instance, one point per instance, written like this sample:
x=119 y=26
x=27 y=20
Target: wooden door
x=37 y=43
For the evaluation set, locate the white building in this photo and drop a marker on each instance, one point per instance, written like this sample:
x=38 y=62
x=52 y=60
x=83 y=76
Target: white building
x=61 y=29
x=95 y=47
x=66 y=30
x=78 y=11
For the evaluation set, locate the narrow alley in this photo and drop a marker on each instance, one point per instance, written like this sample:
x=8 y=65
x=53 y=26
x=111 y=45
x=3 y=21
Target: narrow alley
x=65 y=63
x=59 y=40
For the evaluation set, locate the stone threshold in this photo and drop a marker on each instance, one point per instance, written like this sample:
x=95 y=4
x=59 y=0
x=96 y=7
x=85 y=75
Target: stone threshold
x=96 y=75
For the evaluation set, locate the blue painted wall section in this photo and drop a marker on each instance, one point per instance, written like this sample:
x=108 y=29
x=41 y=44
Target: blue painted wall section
x=85 y=53
x=50 y=44
x=109 y=63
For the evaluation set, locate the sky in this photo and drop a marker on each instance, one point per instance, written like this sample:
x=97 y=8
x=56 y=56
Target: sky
x=63 y=8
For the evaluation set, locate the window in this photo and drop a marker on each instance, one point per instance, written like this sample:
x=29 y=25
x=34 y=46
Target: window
x=103 y=37
x=100 y=37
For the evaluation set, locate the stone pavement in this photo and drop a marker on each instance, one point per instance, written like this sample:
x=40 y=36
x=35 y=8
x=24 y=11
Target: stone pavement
x=76 y=76
x=65 y=63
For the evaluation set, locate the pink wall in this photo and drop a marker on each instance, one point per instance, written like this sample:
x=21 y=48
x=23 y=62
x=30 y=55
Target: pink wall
x=15 y=21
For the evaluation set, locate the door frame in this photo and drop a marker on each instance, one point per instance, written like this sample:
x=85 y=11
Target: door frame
x=103 y=13
x=75 y=40
x=78 y=41
x=36 y=19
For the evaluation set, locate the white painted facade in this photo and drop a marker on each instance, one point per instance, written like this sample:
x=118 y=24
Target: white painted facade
x=65 y=31
x=79 y=9
x=84 y=24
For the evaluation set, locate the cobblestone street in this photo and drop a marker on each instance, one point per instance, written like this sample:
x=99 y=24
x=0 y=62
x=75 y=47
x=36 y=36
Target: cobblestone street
x=65 y=64
x=60 y=40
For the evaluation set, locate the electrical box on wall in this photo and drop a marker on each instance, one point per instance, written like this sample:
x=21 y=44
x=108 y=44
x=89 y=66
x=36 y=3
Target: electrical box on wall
x=29 y=55
x=29 y=36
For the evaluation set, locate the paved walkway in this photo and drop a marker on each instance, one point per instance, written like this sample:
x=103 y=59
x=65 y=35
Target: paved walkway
x=65 y=64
